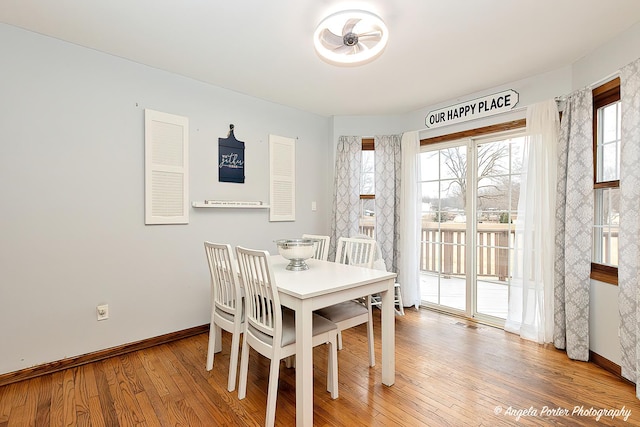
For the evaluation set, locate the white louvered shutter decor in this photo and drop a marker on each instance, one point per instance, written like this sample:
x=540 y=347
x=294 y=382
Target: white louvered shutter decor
x=282 y=178
x=166 y=169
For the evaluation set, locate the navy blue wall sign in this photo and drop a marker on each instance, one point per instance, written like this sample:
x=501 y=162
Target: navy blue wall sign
x=230 y=159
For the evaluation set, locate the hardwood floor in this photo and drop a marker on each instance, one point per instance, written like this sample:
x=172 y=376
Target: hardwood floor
x=449 y=372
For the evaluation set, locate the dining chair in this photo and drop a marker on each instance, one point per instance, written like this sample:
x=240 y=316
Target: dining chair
x=398 y=306
x=321 y=244
x=345 y=315
x=227 y=308
x=379 y=264
x=270 y=328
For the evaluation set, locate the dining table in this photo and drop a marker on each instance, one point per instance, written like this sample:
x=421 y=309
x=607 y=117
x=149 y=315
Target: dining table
x=323 y=284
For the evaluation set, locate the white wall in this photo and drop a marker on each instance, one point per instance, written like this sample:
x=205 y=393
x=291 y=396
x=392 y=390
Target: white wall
x=71 y=186
x=607 y=59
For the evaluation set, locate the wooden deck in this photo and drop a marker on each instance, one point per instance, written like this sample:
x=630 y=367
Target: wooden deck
x=492 y=296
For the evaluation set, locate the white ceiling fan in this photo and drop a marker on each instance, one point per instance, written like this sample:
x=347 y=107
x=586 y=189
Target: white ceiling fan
x=351 y=37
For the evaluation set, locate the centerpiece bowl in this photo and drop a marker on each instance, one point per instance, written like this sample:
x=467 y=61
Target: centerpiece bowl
x=296 y=251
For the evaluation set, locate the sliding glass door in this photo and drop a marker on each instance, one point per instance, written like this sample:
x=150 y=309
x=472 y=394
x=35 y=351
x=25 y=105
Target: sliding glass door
x=499 y=165
x=443 y=236
x=470 y=192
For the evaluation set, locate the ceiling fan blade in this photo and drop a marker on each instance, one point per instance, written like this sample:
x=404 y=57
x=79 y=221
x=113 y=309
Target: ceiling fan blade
x=331 y=40
x=370 y=35
x=349 y=25
x=360 y=47
x=343 y=49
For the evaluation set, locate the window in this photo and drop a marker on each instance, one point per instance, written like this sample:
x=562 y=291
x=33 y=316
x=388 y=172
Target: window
x=606 y=181
x=367 y=189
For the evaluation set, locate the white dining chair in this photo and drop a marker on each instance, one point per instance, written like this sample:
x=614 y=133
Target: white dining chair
x=270 y=328
x=321 y=245
x=345 y=315
x=227 y=307
x=379 y=264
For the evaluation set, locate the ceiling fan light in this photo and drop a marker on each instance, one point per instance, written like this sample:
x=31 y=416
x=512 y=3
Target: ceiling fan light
x=350 y=37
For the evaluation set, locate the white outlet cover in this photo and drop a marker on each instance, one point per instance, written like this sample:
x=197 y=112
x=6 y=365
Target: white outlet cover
x=102 y=312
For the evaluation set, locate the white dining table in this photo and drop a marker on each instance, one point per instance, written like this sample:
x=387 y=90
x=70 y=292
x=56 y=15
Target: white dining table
x=323 y=284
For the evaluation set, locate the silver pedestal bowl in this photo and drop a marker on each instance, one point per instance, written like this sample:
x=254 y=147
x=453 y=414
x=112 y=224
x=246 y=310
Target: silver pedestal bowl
x=296 y=251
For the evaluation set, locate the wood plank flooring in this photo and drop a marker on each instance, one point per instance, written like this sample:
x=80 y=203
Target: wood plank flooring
x=449 y=372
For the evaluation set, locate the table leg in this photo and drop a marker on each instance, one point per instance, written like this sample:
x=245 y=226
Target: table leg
x=304 y=364
x=388 y=336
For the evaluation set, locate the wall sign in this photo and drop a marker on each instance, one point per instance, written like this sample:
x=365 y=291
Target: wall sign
x=230 y=159
x=474 y=109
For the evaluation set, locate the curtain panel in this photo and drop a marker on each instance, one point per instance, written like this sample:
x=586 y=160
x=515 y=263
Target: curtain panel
x=346 y=190
x=574 y=224
x=530 y=312
x=387 y=188
x=629 y=237
x=410 y=223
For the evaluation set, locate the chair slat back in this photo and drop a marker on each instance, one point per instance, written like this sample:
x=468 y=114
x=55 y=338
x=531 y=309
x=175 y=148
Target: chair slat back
x=225 y=284
x=320 y=244
x=263 y=311
x=356 y=252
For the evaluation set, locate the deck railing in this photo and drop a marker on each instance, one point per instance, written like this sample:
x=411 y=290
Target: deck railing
x=442 y=248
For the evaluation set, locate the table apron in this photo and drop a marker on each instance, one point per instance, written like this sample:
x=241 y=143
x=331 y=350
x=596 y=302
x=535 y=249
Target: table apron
x=321 y=301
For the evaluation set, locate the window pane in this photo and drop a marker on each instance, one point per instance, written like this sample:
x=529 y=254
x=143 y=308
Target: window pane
x=610 y=162
x=367 y=177
x=608 y=143
x=453 y=193
x=606 y=226
x=453 y=162
x=430 y=199
x=610 y=123
x=429 y=166
x=367 y=217
x=517 y=152
x=493 y=159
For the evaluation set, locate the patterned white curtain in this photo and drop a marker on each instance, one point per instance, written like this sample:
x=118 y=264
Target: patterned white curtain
x=410 y=222
x=531 y=292
x=346 y=190
x=574 y=224
x=387 y=183
x=629 y=239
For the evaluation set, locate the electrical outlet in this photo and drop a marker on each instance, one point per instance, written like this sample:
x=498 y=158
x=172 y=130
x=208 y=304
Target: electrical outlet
x=314 y=207
x=102 y=312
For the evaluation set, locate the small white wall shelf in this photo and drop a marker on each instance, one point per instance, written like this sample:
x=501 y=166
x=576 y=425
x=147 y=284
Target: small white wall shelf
x=230 y=204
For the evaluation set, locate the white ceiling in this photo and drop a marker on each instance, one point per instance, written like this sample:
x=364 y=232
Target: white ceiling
x=438 y=49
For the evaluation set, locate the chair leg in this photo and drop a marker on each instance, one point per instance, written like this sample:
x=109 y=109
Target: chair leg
x=290 y=362
x=233 y=363
x=218 y=341
x=212 y=346
x=372 y=355
x=244 y=367
x=272 y=394
x=339 y=340
x=332 y=368
x=400 y=309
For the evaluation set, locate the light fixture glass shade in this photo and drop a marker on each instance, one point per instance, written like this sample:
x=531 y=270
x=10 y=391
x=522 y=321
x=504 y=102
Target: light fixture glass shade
x=350 y=37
